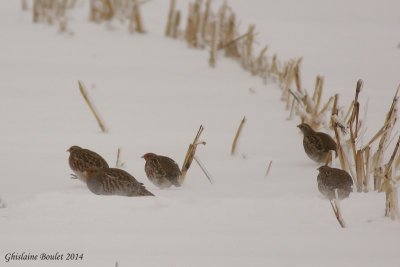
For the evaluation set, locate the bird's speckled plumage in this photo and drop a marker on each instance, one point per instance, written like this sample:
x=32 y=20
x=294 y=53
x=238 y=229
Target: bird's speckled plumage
x=162 y=171
x=329 y=179
x=316 y=144
x=114 y=181
x=81 y=159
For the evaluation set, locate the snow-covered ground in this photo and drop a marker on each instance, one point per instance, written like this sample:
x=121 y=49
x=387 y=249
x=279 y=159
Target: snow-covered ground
x=153 y=94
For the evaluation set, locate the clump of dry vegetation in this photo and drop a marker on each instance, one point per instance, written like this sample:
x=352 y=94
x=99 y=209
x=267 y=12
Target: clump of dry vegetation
x=121 y=10
x=191 y=155
x=53 y=12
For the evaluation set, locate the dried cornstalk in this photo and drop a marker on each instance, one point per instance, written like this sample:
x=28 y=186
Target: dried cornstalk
x=136 y=17
x=213 y=49
x=247 y=59
x=230 y=42
x=204 y=22
x=377 y=135
x=391 y=119
x=36 y=10
x=193 y=24
x=274 y=65
x=237 y=135
x=223 y=38
x=293 y=107
x=360 y=173
x=297 y=76
x=337 y=136
x=268 y=169
x=326 y=106
x=319 y=84
x=367 y=160
x=170 y=21
x=175 y=28
x=203 y=168
x=259 y=61
x=357 y=155
x=85 y=95
x=388 y=186
x=118 y=163
x=336 y=209
x=191 y=153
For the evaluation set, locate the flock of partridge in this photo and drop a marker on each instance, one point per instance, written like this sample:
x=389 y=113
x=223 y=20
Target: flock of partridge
x=317 y=146
x=92 y=169
x=164 y=172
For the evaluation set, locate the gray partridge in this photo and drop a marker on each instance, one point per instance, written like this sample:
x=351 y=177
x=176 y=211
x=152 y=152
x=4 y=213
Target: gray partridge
x=316 y=144
x=112 y=181
x=331 y=179
x=81 y=159
x=162 y=171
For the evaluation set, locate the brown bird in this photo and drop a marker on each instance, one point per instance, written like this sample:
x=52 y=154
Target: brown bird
x=316 y=144
x=81 y=159
x=329 y=179
x=162 y=171
x=112 y=181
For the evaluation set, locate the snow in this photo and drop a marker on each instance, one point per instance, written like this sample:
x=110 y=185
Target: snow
x=153 y=94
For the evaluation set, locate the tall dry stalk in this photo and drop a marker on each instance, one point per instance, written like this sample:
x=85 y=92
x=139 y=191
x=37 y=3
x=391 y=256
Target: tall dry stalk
x=203 y=168
x=118 y=163
x=213 y=49
x=85 y=95
x=190 y=154
x=237 y=135
x=385 y=132
x=389 y=186
x=335 y=204
x=170 y=21
x=175 y=28
x=268 y=169
x=137 y=18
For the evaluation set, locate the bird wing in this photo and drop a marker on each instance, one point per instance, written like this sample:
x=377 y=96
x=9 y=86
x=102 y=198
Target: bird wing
x=127 y=184
x=171 y=169
x=92 y=158
x=328 y=141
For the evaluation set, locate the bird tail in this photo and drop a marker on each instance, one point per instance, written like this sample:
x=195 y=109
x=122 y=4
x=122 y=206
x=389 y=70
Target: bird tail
x=145 y=192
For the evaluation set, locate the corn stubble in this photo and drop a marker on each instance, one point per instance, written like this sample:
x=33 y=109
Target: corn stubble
x=217 y=31
x=51 y=12
x=121 y=10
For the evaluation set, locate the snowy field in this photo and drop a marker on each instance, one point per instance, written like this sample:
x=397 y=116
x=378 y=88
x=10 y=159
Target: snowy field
x=153 y=94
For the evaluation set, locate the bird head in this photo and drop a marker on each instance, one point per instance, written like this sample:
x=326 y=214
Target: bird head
x=325 y=169
x=73 y=148
x=148 y=156
x=305 y=128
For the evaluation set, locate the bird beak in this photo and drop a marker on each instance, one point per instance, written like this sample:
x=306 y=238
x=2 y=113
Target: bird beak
x=298 y=125
x=68 y=150
x=142 y=157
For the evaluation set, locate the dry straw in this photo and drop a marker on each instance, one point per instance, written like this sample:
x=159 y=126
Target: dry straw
x=191 y=153
x=85 y=95
x=118 y=163
x=237 y=135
